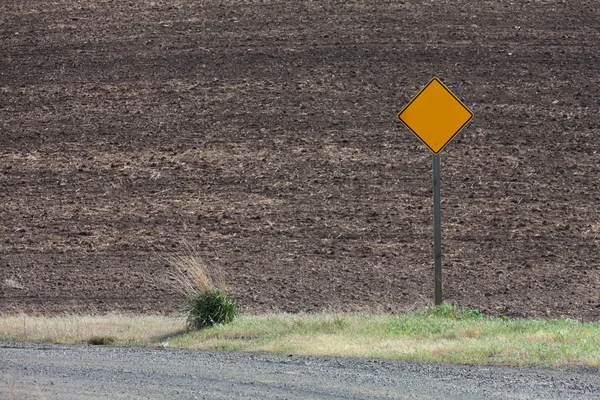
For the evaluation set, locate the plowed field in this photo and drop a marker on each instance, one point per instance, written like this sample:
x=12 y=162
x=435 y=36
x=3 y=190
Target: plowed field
x=263 y=134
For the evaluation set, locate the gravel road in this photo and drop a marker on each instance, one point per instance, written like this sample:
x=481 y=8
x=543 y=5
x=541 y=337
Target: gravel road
x=44 y=371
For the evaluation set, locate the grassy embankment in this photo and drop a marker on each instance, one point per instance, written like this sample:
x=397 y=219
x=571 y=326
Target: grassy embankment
x=440 y=334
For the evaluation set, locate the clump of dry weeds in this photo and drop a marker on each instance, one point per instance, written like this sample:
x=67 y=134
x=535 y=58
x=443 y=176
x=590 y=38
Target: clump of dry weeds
x=206 y=299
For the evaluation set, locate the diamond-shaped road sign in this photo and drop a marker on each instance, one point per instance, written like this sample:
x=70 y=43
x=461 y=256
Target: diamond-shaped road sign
x=435 y=115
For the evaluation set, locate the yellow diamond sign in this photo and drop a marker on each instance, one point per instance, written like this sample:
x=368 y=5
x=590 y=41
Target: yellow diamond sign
x=435 y=115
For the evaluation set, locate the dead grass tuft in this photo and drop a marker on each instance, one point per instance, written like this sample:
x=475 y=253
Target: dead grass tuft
x=203 y=287
x=193 y=274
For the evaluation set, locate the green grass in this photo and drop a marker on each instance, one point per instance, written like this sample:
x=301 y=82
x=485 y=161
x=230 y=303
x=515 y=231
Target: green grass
x=207 y=308
x=439 y=334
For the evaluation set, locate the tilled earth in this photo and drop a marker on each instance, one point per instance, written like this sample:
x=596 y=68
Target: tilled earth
x=262 y=134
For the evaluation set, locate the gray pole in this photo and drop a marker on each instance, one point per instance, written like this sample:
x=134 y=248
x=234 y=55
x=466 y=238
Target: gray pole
x=437 y=231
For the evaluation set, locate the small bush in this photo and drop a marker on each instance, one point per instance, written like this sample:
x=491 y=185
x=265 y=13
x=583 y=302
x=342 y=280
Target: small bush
x=206 y=303
x=207 y=308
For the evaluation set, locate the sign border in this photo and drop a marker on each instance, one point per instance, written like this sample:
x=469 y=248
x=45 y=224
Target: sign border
x=436 y=80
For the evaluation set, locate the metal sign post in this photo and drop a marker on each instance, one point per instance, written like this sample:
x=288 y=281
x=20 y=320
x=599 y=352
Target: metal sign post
x=437 y=230
x=435 y=116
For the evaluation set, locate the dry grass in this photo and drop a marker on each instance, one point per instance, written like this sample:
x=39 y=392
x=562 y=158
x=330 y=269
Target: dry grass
x=106 y=329
x=441 y=335
x=425 y=336
x=191 y=273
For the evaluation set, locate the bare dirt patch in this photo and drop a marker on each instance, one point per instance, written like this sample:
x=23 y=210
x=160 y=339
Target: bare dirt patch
x=263 y=133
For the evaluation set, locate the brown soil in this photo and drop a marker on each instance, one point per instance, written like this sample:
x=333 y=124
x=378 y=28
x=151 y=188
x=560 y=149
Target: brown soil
x=263 y=133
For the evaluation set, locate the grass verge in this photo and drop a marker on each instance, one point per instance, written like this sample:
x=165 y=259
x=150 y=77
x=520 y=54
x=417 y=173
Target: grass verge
x=440 y=334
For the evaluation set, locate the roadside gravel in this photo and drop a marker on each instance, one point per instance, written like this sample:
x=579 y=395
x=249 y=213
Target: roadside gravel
x=30 y=371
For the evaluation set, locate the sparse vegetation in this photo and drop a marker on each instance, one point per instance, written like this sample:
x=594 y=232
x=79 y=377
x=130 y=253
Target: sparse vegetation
x=441 y=334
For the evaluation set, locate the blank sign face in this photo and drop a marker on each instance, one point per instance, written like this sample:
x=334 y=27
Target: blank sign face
x=435 y=115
